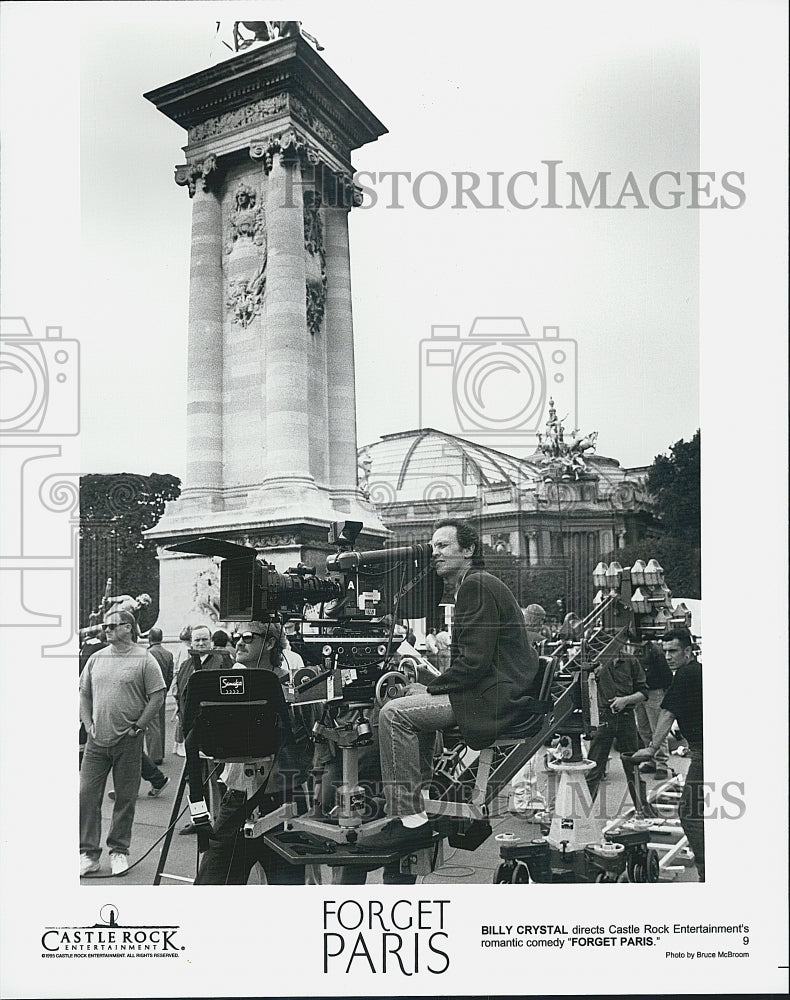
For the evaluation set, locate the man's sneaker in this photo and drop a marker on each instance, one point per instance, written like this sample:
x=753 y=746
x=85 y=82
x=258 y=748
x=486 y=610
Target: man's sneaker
x=88 y=865
x=155 y=790
x=648 y=767
x=186 y=830
x=119 y=863
x=394 y=836
x=662 y=774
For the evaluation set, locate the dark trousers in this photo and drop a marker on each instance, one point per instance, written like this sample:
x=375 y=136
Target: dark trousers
x=691 y=808
x=150 y=772
x=231 y=855
x=620 y=729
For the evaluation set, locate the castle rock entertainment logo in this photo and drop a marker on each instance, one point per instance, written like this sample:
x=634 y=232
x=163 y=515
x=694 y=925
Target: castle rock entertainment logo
x=109 y=939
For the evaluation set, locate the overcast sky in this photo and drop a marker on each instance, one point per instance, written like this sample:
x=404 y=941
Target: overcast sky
x=500 y=94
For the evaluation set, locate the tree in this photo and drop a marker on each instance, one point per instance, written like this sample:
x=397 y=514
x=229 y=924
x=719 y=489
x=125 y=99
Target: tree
x=674 y=482
x=530 y=584
x=115 y=510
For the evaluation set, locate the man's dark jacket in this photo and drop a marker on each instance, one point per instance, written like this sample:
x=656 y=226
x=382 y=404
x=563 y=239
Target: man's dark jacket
x=493 y=664
x=215 y=660
x=165 y=660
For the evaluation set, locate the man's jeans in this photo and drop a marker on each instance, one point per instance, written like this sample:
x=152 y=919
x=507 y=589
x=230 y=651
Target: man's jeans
x=691 y=808
x=407 y=733
x=647 y=713
x=124 y=759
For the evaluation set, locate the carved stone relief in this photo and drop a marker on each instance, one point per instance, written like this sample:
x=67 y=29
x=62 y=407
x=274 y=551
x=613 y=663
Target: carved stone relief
x=246 y=223
x=246 y=219
x=315 y=269
x=205 y=594
x=258 y=111
x=322 y=130
x=245 y=296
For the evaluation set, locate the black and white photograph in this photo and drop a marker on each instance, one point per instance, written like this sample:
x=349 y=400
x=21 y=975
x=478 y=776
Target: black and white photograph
x=377 y=394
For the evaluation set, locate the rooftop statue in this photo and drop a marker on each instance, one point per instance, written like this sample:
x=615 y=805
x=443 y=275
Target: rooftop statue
x=564 y=459
x=269 y=31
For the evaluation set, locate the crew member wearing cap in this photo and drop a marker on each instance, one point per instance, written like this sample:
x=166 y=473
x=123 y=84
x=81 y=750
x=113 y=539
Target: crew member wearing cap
x=121 y=691
x=231 y=856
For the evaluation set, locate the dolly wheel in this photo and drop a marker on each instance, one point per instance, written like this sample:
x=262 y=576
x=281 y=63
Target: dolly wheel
x=639 y=872
x=502 y=874
x=652 y=869
x=602 y=877
x=520 y=874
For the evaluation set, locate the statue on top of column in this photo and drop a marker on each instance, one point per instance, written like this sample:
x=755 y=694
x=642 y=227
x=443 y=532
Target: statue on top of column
x=270 y=31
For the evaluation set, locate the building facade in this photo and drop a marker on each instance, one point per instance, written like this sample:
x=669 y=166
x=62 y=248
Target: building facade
x=544 y=523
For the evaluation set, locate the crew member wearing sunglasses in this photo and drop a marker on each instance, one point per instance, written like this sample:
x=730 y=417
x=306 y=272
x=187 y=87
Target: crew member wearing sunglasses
x=231 y=856
x=121 y=691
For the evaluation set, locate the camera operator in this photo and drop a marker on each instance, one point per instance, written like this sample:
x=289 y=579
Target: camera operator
x=231 y=856
x=486 y=690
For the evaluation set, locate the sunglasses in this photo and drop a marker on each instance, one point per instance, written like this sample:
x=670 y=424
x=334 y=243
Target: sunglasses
x=246 y=637
x=111 y=626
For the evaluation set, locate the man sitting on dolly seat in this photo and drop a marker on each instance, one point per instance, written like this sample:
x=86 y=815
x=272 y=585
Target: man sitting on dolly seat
x=486 y=691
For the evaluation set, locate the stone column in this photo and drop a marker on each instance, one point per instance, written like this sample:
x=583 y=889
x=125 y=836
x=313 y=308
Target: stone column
x=340 y=353
x=286 y=408
x=204 y=355
x=532 y=542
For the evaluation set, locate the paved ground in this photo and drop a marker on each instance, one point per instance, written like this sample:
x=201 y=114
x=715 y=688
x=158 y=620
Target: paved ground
x=476 y=867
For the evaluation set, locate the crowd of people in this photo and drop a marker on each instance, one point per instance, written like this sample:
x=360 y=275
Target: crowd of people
x=482 y=686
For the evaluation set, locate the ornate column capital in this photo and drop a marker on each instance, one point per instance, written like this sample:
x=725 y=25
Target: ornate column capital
x=204 y=172
x=345 y=193
x=291 y=147
x=338 y=187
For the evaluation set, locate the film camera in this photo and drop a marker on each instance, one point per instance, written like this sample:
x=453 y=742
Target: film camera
x=345 y=623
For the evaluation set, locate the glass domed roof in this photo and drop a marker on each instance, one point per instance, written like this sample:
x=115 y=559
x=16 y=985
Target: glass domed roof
x=428 y=465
